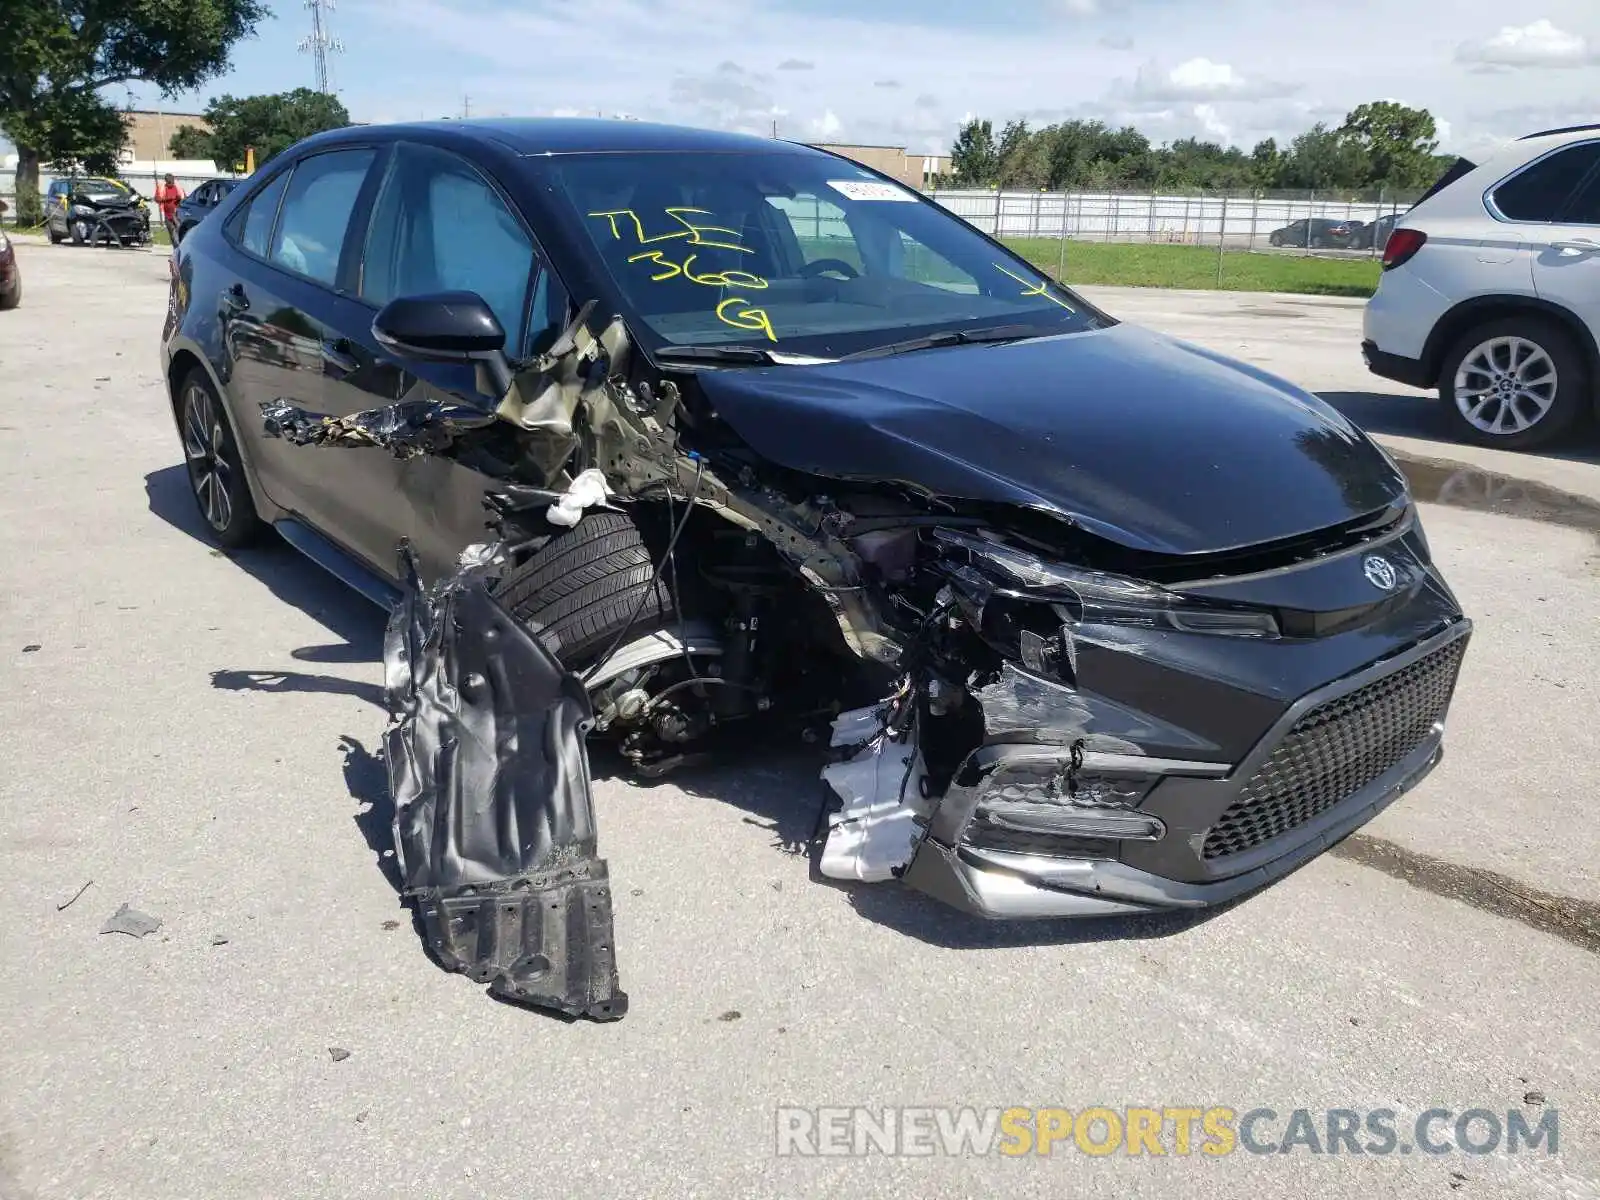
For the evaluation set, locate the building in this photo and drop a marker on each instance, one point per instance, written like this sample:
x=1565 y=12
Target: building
x=150 y=132
x=913 y=170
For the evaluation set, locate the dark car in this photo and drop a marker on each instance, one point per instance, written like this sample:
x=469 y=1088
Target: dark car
x=10 y=273
x=1375 y=234
x=98 y=210
x=1318 y=233
x=192 y=209
x=686 y=430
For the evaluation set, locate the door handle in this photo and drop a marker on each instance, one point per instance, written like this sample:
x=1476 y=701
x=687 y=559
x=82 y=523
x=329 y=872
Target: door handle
x=1576 y=246
x=336 y=354
x=234 y=300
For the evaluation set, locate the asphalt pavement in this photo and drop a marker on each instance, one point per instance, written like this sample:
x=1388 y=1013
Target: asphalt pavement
x=194 y=735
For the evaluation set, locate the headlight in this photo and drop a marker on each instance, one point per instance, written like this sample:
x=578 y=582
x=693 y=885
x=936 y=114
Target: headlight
x=82 y=210
x=1084 y=596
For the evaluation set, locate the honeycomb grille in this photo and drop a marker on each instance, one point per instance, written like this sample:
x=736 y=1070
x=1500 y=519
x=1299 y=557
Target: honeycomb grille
x=1337 y=749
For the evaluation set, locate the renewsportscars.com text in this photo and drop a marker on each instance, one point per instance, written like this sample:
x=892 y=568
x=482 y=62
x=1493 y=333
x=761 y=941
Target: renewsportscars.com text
x=1213 y=1131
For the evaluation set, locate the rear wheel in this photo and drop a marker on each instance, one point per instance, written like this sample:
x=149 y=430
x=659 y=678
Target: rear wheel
x=12 y=298
x=216 y=470
x=1517 y=383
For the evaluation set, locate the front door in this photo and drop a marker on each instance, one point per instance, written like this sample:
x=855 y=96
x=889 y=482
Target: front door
x=438 y=224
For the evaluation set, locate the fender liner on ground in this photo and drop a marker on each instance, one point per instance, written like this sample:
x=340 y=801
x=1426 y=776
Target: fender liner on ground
x=494 y=822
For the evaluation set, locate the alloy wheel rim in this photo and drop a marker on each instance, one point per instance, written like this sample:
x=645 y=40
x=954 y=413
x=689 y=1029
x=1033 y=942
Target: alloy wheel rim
x=1505 y=385
x=204 y=447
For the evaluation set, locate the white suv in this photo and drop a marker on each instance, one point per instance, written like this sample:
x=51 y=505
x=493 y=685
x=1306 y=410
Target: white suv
x=1491 y=292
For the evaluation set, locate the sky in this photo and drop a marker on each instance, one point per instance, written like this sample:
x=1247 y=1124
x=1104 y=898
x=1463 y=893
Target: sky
x=908 y=72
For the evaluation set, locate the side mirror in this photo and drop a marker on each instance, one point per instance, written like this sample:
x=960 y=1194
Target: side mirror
x=454 y=327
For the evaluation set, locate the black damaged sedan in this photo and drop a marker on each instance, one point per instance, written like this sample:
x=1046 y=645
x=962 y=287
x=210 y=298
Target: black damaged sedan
x=684 y=431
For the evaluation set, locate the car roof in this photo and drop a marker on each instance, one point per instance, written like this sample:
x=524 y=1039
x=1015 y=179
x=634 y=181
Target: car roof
x=590 y=135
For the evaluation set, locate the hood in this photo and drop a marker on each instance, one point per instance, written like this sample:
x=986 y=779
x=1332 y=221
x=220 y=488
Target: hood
x=1136 y=437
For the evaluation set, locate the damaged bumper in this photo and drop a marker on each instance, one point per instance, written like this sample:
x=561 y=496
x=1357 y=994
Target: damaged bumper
x=1031 y=829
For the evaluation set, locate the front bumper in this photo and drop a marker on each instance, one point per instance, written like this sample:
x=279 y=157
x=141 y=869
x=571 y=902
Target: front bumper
x=1333 y=760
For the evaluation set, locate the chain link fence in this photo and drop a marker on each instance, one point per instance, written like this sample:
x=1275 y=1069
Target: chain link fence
x=1332 y=223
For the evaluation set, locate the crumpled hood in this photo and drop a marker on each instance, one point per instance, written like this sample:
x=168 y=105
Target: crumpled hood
x=1153 y=443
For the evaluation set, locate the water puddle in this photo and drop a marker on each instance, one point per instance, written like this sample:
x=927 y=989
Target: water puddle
x=1479 y=490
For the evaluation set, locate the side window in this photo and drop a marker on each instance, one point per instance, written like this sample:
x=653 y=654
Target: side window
x=438 y=226
x=251 y=224
x=316 y=212
x=547 y=316
x=1538 y=193
x=1585 y=206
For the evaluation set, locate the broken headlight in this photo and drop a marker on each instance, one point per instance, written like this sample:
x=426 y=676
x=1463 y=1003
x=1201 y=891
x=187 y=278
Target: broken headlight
x=1044 y=804
x=1082 y=595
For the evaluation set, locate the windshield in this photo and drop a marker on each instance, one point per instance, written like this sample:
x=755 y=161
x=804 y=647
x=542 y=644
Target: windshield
x=796 y=253
x=101 y=189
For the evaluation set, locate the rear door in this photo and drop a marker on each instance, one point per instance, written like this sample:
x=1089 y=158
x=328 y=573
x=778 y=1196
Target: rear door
x=438 y=223
x=1566 y=264
x=280 y=313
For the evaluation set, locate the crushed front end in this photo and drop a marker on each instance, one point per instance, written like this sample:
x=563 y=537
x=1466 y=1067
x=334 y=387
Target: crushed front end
x=1075 y=741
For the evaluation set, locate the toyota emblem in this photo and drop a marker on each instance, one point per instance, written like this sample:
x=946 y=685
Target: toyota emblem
x=1380 y=572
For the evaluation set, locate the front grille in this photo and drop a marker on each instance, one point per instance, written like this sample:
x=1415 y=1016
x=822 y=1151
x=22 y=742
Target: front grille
x=1336 y=749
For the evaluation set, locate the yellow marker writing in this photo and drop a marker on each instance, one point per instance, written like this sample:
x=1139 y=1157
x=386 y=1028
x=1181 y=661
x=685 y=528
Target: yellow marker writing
x=1039 y=289
x=696 y=233
x=745 y=318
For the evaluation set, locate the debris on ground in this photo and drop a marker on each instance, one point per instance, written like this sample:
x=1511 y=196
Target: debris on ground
x=494 y=821
x=32 y=648
x=131 y=922
x=218 y=940
x=338 y=1053
x=67 y=903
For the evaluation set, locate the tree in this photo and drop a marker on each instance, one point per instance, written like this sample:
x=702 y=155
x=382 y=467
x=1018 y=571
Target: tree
x=271 y=123
x=1397 y=141
x=57 y=55
x=1266 y=163
x=973 y=158
x=1024 y=157
x=1322 y=159
x=190 y=141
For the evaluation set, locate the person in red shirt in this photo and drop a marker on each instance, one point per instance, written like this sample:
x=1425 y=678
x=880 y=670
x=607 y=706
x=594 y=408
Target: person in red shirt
x=168 y=194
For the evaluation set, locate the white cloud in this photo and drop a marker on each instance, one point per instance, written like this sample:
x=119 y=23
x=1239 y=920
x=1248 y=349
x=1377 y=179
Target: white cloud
x=827 y=125
x=1255 y=68
x=1540 y=44
x=1206 y=114
x=1201 y=80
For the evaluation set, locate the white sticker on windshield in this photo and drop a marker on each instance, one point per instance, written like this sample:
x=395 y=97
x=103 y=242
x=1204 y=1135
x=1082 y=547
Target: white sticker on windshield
x=864 y=189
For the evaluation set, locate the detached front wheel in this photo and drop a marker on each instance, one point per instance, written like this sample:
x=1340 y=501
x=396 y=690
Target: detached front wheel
x=1517 y=383
x=591 y=594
